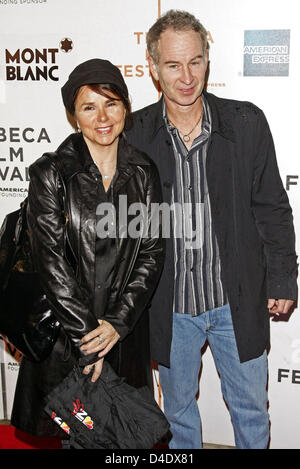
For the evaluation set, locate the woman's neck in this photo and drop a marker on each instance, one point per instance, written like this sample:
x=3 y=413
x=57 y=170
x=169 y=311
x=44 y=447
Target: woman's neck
x=105 y=158
x=103 y=155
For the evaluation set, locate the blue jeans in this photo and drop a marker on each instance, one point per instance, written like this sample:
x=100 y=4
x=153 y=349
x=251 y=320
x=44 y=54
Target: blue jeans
x=243 y=384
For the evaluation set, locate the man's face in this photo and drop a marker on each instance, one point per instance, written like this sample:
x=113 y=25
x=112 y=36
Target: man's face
x=181 y=67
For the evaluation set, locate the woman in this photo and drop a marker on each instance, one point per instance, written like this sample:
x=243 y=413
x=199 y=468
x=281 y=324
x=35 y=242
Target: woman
x=101 y=280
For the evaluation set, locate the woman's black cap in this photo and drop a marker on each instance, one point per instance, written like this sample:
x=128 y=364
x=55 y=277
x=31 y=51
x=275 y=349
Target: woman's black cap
x=93 y=71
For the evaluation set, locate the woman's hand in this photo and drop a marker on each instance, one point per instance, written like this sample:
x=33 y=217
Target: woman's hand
x=97 y=369
x=102 y=339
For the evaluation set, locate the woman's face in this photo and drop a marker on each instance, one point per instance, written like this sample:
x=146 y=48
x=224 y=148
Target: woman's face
x=100 y=118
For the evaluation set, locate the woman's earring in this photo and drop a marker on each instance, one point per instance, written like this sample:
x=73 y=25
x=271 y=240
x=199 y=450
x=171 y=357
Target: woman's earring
x=78 y=129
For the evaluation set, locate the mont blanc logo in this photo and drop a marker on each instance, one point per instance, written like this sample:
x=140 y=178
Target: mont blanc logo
x=34 y=63
x=266 y=52
x=66 y=44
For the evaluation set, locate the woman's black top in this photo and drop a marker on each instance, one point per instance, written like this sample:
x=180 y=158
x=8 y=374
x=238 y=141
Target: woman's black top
x=105 y=254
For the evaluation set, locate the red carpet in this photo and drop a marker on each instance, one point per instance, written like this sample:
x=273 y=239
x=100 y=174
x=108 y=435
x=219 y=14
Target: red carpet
x=11 y=438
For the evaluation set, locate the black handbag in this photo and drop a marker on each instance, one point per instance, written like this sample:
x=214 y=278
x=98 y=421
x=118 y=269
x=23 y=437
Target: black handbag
x=107 y=414
x=26 y=318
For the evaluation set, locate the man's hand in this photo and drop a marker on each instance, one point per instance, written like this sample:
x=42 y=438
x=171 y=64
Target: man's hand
x=280 y=306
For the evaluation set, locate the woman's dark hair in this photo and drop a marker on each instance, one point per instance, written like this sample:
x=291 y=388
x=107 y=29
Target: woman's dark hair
x=100 y=88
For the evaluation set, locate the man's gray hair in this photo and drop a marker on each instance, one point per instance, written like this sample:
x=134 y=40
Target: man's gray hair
x=178 y=20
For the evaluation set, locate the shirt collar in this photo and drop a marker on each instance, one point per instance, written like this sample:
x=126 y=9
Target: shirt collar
x=206 y=118
x=220 y=118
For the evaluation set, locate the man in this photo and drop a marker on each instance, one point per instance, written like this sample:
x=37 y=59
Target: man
x=217 y=157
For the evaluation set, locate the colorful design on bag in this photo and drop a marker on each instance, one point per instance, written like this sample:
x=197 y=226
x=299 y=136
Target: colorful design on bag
x=63 y=425
x=82 y=415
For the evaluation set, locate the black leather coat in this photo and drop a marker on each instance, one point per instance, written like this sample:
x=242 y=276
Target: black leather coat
x=138 y=266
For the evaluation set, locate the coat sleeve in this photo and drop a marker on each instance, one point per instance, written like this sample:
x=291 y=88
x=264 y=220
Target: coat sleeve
x=147 y=269
x=273 y=216
x=46 y=232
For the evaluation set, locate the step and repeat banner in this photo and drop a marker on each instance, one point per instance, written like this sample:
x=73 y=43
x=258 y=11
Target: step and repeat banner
x=254 y=48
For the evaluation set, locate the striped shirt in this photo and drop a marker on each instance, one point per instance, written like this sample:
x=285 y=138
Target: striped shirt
x=198 y=286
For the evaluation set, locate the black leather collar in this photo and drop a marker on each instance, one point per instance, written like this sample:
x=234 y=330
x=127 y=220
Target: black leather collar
x=76 y=158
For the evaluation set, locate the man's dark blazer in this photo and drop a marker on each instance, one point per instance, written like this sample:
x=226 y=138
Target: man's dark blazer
x=251 y=215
